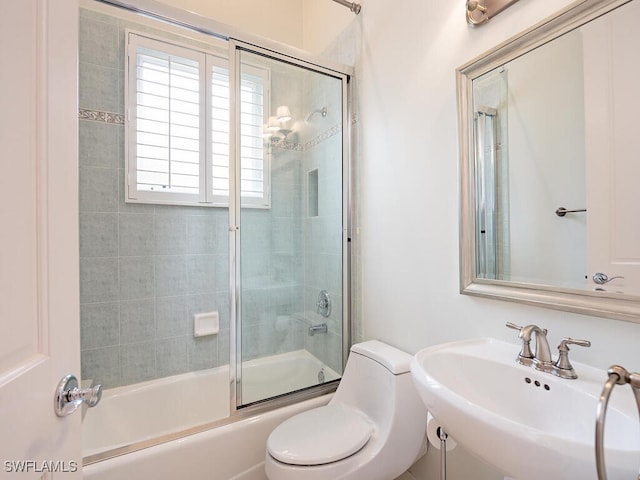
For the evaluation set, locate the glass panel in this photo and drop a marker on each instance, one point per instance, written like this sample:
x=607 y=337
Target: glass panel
x=290 y=251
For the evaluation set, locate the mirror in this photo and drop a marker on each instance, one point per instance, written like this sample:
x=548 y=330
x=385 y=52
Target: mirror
x=550 y=210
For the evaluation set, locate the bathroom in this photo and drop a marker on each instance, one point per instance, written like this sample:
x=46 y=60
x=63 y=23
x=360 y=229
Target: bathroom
x=405 y=252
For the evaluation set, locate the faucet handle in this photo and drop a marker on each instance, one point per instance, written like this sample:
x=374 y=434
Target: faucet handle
x=571 y=341
x=514 y=326
x=563 y=367
x=527 y=329
x=525 y=357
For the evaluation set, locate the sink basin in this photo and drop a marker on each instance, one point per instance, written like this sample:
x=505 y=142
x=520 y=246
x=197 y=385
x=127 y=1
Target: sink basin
x=528 y=424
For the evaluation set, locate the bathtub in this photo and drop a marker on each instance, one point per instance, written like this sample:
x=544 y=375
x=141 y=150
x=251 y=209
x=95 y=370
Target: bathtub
x=145 y=411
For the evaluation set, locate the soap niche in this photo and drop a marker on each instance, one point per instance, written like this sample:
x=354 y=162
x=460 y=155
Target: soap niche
x=312 y=192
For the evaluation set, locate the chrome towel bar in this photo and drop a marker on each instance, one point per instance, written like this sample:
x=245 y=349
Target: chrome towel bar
x=561 y=211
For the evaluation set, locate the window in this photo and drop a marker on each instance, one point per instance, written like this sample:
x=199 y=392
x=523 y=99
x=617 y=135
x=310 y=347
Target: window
x=178 y=126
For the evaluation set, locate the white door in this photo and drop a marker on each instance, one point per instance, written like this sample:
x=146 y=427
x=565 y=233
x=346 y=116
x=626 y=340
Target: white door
x=613 y=150
x=39 y=293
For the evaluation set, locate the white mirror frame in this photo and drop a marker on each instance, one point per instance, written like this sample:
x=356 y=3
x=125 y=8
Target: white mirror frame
x=601 y=304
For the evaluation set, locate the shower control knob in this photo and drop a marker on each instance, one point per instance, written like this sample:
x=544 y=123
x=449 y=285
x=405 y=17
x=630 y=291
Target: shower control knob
x=69 y=396
x=323 y=304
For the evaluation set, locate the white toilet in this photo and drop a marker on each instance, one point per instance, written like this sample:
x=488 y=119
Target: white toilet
x=374 y=427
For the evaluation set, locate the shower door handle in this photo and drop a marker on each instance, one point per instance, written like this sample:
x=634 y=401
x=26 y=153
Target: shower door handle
x=69 y=396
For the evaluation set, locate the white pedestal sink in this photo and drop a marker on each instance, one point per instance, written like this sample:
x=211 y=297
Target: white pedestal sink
x=528 y=424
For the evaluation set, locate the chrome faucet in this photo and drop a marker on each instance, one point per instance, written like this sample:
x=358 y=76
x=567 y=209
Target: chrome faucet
x=542 y=356
x=542 y=359
x=542 y=353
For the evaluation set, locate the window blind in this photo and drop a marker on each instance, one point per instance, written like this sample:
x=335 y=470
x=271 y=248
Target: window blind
x=252 y=158
x=179 y=123
x=220 y=132
x=254 y=185
x=167 y=122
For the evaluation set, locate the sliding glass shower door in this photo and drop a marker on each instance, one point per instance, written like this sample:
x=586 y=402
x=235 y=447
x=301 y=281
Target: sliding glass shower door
x=212 y=226
x=290 y=315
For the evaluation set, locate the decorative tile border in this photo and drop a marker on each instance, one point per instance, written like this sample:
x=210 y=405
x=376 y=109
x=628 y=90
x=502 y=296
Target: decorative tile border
x=335 y=130
x=118 y=119
x=303 y=147
x=99 y=116
x=286 y=145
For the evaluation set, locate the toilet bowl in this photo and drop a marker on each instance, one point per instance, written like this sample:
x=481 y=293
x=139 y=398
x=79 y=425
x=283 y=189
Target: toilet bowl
x=374 y=427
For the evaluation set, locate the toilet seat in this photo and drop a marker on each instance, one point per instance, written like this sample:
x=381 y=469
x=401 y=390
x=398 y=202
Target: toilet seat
x=320 y=436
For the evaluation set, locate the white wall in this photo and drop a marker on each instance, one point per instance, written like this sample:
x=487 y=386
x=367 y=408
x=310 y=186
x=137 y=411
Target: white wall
x=307 y=24
x=279 y=20
x=409 y=189
x=409 y=185
x=323 y=21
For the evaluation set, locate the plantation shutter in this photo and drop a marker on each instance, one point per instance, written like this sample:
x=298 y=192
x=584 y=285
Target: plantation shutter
x=254 y=159
x=179 y=127
x=253 y=98
x=167 y=101
x=220 y=132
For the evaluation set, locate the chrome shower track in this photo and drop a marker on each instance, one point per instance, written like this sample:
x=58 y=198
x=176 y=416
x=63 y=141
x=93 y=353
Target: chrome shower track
x=354 y=7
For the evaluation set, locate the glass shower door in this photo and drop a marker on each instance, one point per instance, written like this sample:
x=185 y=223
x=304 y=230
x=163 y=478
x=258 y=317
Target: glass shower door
x=290 y=325
x=487 y=192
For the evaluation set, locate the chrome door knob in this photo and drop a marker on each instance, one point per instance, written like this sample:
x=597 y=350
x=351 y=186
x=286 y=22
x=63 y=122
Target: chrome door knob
x=69 y=396
x=602 y=278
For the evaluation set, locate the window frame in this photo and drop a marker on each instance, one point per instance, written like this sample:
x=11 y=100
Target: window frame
x=207 y=60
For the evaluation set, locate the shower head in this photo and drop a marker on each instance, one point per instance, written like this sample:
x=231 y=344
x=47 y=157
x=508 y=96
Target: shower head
x=322 y=111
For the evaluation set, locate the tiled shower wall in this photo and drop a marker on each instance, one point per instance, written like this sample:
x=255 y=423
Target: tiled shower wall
x=146 y=269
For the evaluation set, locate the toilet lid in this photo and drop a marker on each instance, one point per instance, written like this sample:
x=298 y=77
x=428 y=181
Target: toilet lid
x=322 y=435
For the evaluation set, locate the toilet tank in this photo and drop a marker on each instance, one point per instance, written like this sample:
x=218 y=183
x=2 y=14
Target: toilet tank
x=377 y=381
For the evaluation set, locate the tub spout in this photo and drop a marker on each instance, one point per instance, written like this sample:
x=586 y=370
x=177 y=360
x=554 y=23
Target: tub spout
x=313 y=329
